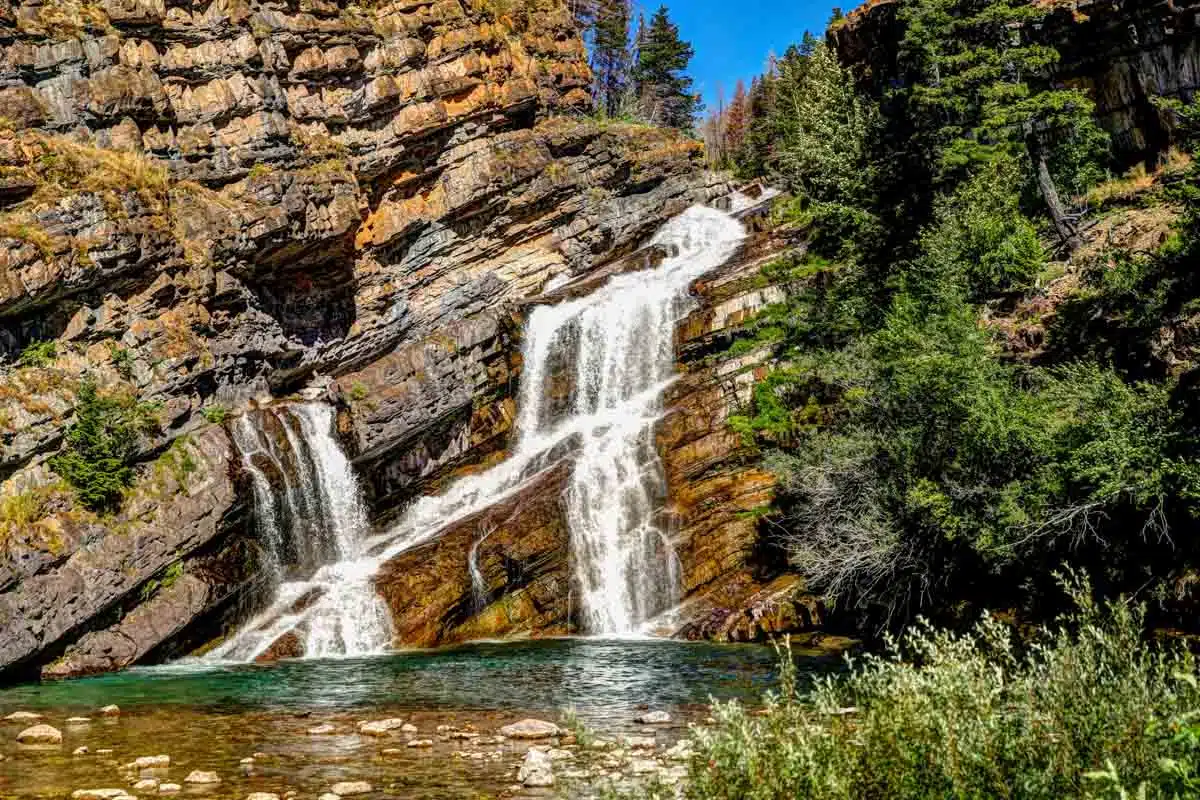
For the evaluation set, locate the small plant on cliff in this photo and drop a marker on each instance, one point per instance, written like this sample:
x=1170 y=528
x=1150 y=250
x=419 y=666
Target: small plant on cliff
x=358 y=392
x=215 y=414
x=100 y=445
x=39 y=354
x=950 y=715
x=122 y=359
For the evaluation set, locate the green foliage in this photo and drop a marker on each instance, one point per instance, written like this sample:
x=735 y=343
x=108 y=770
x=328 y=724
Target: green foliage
x=359 y=392
x=941 y=714
x=663 y=87
x=162 y=582
x=39 y=354
x=100 y=445
x=122 y=358
x=215 y=414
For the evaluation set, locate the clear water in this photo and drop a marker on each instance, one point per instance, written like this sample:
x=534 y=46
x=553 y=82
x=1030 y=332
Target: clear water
x=212 y=717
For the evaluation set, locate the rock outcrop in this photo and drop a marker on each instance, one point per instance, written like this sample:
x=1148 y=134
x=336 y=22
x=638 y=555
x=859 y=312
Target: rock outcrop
x=204 y=207
x=1124 y=54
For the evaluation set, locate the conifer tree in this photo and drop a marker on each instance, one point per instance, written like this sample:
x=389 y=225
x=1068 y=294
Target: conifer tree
x=663 y=86
x=611 y=59
x=736 y=121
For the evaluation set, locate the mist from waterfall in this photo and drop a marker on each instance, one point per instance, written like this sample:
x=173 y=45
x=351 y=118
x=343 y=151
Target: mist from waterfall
x=618 y=343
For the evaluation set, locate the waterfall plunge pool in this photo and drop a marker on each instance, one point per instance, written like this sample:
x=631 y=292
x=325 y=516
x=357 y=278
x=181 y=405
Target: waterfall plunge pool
x=210 y=717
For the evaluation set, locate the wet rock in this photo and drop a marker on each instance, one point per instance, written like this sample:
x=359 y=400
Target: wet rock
x=324 y=729
x=383 y=727
x=169 y=788
x=151 y=762
x=421 y=743
x=202 y=778
x=40 y=734
x=537 y=770
x=146 y=785
x=98 y=794
x=530 y=729
x=408 y=727
x=79 y=720
x=653 y=718
x=80 y=751
x=23 y=716
x=350 y=788
x=262 y=796
x=110 y=711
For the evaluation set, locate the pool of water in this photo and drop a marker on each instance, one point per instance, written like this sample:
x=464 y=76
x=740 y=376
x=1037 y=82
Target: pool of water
x=211 y=717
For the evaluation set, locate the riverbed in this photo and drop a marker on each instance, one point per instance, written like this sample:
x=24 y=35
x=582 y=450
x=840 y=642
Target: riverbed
x=293 y=726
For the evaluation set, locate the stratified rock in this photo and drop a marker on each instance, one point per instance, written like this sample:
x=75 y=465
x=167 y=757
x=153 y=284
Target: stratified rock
x=537 y=770
x=530 y=729
x=350 y=788
x=40 y=734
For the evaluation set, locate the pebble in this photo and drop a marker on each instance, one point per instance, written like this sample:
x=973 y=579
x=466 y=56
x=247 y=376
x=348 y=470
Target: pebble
x=640 y=742
x=260 y=755
x=408 y=727
x=322 y=729
x=643 y=766
x=146 y=785
x=247 y=761
x=560 y=755
x=653 y=718
x=40 y=734
x=329 y=796
x=104 y=752
x=262 y=796
x=200 y=776
x=79 y=720
x=97 y=794
x=23 y=716
x=530 y=729
x=392 y=751
x=382 y=727
x=536 y=770
x=80 y=751
x=110 y=711
x=350 y=788
x=421 y=743
x=169 y=788
x=151 y=762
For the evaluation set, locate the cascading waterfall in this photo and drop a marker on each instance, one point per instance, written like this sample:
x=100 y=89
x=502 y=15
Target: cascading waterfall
x=319 y=531
x=619 y=343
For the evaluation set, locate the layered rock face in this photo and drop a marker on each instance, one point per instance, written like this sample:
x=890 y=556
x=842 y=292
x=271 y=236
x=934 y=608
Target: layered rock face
x=206 y=205
x=1125 y=54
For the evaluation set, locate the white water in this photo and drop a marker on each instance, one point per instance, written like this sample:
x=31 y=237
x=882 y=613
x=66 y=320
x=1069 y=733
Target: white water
x=620 y=341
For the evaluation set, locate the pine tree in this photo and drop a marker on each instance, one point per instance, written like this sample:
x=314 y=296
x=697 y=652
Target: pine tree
x=736 y=121
x=984 y=86
x=664 y=89
x=611 y=58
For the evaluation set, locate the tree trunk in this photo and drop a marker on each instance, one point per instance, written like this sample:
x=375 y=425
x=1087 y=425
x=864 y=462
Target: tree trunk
x=1045 y=181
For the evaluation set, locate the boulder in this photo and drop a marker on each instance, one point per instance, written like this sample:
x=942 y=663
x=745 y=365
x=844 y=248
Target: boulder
x=40 y=734
x=530 y=729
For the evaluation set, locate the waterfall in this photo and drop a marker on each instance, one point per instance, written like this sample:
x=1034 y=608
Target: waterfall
x=617 y=343
x=317 y=530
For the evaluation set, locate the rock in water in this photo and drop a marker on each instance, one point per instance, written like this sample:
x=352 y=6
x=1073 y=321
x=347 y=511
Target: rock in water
x=97 y=794
x=146 y=785
x=262 y=796
x=530 y=729
x=151 y=762
x=110 y=711
x=40 y=734
x=23 y=716
x=169 y=788
x=382 y=727
x=653 y=718
x=324 y=729
x=350 y=788
x=197 y=776
x=536 y=770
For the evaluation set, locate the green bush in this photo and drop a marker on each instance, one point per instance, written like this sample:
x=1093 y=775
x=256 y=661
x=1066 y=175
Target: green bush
x=215 y=414
x=100 y=445
x=39 y=354
x=1083 y=710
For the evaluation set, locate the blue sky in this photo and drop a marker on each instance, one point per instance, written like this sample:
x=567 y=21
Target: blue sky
x=732 y=39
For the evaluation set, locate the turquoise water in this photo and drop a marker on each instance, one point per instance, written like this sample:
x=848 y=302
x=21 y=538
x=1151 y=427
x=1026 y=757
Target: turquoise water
x=209 y=717
x=593 y=675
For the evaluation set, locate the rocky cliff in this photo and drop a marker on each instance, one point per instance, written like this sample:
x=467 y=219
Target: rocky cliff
x=208 y=205
x=1125 y=53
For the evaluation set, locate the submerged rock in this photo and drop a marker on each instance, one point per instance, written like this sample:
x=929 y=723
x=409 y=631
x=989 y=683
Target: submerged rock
x=169 y=788
x=262 y=796
x=201 y=777
x=97 y=794
x=530 y=729
x=350 y=788
x=383 y=727
x=23 y=716
x=110 y=711
x=146 y=785
x=536 y=770
x=151 y=762
x=40 y=734
x=324 y=729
